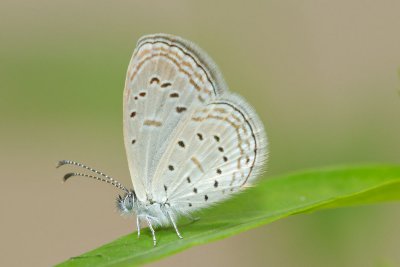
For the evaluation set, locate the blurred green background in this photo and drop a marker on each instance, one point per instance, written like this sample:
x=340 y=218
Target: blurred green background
x=323 y=76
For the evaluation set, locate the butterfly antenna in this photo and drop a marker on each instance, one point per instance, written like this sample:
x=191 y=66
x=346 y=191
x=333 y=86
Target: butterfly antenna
x=71 y=162
x=72 y=174
x=108 y=179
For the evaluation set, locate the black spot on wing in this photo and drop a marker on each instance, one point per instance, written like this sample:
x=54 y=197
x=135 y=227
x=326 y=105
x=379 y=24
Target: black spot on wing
x=165 y=85
x=180 y=109
x=154 y=80
x=181 y=143
x=216 y=184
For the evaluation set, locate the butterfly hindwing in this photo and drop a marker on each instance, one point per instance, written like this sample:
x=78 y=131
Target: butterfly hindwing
x=215 y=152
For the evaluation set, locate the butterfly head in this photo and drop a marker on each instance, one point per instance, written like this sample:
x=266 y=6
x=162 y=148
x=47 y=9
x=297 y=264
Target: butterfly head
x=126 y=204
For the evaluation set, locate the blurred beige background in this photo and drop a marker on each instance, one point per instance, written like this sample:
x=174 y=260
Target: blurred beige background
x=323 y=75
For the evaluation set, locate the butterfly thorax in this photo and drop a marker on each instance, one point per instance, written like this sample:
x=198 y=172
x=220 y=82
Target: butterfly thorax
x=129 y=204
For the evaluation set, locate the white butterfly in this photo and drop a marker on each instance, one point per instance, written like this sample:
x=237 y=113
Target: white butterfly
x=190 y=142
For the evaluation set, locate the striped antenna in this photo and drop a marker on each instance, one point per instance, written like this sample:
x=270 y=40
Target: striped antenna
x=107 y=179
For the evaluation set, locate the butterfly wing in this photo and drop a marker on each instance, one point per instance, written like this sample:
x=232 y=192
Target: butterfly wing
x=167 y=78
x=217 y=151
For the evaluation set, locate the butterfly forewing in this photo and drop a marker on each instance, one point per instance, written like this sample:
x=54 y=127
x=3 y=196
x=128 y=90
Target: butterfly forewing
x=167 y=79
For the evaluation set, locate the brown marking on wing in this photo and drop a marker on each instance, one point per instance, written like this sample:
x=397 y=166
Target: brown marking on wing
x=195 y=85
x=152 y=123
x=197 y=163
x=221 y=110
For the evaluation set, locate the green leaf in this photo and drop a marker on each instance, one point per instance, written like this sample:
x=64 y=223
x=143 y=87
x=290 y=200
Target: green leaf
x=270 y=200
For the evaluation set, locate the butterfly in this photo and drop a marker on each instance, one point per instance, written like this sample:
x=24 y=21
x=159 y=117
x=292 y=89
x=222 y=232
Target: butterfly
x=190 y=142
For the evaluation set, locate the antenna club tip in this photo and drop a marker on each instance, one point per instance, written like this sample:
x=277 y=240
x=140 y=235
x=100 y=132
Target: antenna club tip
x=67 y=176
x=61 y=163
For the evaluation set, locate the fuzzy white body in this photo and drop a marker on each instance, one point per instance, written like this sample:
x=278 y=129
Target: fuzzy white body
x=158 y=213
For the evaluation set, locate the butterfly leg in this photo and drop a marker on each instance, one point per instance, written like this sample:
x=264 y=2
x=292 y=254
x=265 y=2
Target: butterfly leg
x=152 y=231
x=174 y=224
x=138 y=226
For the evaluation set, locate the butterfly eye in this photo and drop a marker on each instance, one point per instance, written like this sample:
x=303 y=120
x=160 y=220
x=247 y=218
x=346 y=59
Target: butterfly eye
x=128 y=202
